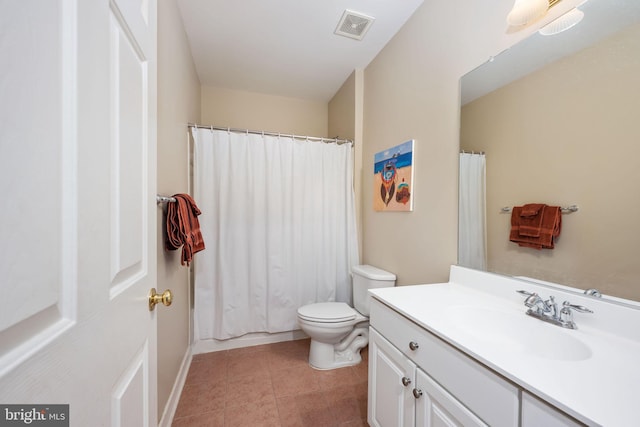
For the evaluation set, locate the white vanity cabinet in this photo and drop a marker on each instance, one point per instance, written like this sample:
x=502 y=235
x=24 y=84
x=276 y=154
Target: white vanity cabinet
x=403 y=395
x=470 y=348
x=418 y=379
x=453 y=385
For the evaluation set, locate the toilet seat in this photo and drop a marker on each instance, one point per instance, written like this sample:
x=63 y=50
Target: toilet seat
x=327 y=312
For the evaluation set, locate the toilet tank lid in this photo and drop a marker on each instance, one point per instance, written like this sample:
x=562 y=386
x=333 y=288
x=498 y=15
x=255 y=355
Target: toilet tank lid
x=371 y=272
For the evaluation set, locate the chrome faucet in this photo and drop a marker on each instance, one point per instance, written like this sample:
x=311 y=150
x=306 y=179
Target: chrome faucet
x=547 y=311
x=536 y=304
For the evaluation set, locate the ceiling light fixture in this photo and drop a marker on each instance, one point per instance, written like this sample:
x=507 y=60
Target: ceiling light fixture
x=562 y=23
x=526 y=11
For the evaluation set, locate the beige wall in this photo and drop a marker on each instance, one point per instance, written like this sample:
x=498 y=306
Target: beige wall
x=342 y=110
x=256 y=111
x=567 y=134
x=345 y=122
x=412 y=92
x=178 y=104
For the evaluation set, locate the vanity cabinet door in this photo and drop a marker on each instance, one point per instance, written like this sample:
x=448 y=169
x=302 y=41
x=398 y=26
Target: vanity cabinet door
x=436 y=407
x=537 y=413
x=391 y=384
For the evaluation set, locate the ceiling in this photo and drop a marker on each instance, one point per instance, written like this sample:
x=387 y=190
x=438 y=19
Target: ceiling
x=285 y=47
x=602 y=18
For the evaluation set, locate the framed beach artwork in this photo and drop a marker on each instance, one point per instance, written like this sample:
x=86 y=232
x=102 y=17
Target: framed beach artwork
x=393 y=179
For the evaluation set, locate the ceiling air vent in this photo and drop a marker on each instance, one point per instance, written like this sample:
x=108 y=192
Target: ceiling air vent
x=353 y=25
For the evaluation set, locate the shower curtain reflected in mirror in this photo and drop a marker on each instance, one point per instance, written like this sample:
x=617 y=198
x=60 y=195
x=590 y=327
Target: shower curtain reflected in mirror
x=278 y=216
x=472 y=241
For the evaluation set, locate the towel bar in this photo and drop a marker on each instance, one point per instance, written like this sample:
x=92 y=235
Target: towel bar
x=568 y=209
x=165 y=199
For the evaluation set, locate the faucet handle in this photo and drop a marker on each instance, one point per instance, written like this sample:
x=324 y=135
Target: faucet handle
x=579 y=308
x=566 y=314
x=532 y=297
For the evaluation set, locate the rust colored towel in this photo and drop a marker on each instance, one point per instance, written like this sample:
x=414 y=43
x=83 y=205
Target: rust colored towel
x=531 y=219
x=531 y=209
x=183 y=228
x=550 y=228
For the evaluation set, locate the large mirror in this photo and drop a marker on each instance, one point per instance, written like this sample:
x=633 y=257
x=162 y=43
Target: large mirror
x=558 y=118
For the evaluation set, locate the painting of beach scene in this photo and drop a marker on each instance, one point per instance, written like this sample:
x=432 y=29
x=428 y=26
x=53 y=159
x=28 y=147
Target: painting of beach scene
x=393 y=179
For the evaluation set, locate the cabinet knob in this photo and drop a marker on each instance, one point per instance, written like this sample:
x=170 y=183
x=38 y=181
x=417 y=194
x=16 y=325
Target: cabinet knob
x=417 y=393
x=406 y=381
x=413 y=345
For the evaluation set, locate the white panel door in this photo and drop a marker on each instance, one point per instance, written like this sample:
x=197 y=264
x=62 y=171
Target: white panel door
x=77 y=223
x=391 y=381
x=435 y=407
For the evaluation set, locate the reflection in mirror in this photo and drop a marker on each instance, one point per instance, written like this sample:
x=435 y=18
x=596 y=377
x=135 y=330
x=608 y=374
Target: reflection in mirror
x=566 y=133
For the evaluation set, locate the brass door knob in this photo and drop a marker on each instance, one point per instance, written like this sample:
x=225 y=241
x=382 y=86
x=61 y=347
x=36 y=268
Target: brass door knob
x=155 y=298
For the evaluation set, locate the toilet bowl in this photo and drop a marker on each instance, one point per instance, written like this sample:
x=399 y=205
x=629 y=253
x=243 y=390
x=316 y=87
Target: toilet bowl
x=338 y=332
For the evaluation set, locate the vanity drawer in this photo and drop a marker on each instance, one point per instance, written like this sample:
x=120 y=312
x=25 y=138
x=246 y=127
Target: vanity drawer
x=489 y=396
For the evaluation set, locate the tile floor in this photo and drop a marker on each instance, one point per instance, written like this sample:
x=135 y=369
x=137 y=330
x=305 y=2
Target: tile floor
x=271 y=385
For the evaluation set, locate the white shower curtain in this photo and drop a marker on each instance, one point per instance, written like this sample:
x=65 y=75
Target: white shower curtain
x=278 y=219
x=472 y=248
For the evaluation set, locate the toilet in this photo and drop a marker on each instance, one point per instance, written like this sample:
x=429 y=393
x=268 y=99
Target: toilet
x=338 y=332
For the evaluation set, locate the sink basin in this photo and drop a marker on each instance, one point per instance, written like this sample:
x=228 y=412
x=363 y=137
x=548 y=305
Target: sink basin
x=517 y=332
x=558 y=346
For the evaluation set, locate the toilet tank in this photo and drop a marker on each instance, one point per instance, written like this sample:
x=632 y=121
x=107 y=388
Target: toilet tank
x=367 y=277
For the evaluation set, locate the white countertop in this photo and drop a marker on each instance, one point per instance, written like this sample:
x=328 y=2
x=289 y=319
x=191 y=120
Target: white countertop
x=590 y=373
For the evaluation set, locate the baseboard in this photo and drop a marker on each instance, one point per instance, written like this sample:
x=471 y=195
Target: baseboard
x=207 y=346
x=174 y=397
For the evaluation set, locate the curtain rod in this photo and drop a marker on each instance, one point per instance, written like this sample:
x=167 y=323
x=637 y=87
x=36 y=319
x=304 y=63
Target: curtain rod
x=256 y=132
